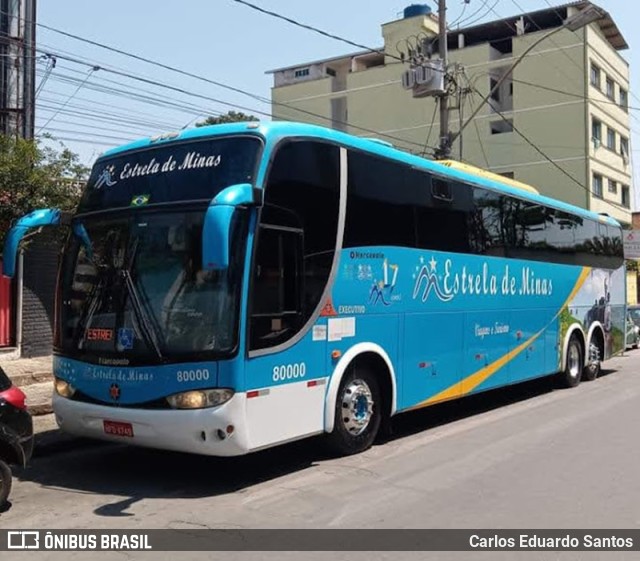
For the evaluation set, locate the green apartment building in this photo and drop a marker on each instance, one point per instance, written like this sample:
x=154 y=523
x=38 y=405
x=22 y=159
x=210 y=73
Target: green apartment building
x=569 y=97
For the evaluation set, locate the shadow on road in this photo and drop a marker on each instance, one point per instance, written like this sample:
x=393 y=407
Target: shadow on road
x=138 y=473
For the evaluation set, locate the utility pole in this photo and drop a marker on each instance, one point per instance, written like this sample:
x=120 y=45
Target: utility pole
x=17 y=67
x=444 y=150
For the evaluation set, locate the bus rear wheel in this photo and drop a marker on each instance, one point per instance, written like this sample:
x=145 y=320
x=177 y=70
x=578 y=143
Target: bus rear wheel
x=592 y=369
x=358 y=413
x=572 y=373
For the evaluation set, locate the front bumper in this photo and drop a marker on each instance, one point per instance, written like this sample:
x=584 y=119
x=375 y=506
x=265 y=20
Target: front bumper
x=195 y=431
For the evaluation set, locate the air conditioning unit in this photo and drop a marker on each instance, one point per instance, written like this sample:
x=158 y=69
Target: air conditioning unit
x=425 y=79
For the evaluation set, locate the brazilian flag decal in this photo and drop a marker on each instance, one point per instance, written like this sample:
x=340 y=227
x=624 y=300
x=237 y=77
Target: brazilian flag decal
x=140 y=200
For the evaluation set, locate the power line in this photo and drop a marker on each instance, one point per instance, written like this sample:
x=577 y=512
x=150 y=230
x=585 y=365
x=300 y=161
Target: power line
x=152 y=100
x=570 y=94
x=433 y=120
x=89 y=74
x=475 y=124
x=468 y=23
x=464 y=9
x=51 y=64
x=111 y=137
x=128 y=114
x=314 y=29
x=49 y=105
x=201 y=78
x=214 y=82
x=550 y=160
x=234 y=105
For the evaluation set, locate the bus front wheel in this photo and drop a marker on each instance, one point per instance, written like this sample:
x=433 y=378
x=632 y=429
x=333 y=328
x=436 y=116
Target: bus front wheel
x=572 y=373
x=358 y=413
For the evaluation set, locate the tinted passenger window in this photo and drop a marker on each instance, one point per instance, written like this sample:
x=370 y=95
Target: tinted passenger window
x=391 y=204
x=443 y=216
x=379 y=204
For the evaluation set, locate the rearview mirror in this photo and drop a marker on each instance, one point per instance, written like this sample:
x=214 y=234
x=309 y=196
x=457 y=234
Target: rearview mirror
x=216 y=231
x=36 y=219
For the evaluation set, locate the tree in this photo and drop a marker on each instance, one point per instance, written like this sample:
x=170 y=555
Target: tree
x=33 y=176
x=229 y=117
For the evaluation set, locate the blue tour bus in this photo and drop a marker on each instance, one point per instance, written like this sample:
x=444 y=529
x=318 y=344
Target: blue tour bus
x=230 y=288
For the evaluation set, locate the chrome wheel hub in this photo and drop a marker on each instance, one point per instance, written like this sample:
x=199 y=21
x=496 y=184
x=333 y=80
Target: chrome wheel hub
x=574 y=361
x=357 y=407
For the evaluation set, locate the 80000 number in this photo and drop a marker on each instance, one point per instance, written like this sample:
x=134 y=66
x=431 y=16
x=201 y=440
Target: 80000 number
x=289 y=371
x=192 y=375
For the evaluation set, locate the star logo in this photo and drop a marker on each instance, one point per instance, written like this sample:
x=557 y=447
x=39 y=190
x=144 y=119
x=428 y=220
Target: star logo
x=114 y=391
x=433 y=263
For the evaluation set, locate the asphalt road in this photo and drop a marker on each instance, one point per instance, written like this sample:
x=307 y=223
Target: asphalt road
x=531 y=456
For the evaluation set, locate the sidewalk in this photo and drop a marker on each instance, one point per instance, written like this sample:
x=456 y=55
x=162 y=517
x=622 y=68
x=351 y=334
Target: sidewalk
x=34 y=376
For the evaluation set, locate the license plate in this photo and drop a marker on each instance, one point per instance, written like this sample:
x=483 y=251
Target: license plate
x=116 y=428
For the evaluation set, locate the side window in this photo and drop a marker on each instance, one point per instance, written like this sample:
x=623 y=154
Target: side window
x=561 y=231
x=588 y=241
x=392 y=204
x=529 y=226
x=379 y=205
x=278 y=267
x=486 y=230
x=296 y=241
x=443 y=216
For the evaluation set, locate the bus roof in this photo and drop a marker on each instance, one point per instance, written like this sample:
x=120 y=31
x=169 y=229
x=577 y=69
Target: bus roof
x=272 y=131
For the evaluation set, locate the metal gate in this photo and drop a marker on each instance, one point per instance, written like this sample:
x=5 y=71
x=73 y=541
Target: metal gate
x=5 y=311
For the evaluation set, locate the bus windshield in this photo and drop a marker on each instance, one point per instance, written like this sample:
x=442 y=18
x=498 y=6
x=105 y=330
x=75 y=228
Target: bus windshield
x=139 y=294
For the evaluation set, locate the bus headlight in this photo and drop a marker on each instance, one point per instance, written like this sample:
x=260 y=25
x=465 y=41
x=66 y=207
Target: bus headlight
x=199 y=399
x=64 y=389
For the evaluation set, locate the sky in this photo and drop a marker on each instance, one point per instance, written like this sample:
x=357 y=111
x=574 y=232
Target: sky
x=222 y=41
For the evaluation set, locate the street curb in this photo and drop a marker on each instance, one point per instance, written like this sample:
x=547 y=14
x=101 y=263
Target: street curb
x=40 y=409
x=22 y=380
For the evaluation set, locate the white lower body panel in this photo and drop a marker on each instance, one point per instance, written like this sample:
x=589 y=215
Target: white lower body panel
x=183 y=431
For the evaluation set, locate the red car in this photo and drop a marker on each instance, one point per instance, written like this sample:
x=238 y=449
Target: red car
x=16 y=433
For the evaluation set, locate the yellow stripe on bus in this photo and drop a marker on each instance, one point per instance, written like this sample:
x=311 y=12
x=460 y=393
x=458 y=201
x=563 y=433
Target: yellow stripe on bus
x=473 y=170
x=474 y=380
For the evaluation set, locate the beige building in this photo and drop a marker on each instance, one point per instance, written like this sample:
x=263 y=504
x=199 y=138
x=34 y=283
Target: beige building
x=568 y=97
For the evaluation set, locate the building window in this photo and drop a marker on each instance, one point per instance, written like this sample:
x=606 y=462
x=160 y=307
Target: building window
x=624 y=146
x=498 y=127
x=611 y=139
x=624 y=99
x=597 y=185
x=595 y=76
x=596 y=132
x=301 y=73
x=613 y=186
x=611 y=90
x=495 y=93
x=626 y=200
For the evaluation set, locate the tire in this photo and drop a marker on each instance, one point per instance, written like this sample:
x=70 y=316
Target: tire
x=592 y=370
x=358 y=413
x=5 y=483
x=571 y=375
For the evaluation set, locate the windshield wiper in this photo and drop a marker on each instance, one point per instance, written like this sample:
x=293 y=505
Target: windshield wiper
x=147 y=328
x=148 y=332
x=87 y=315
